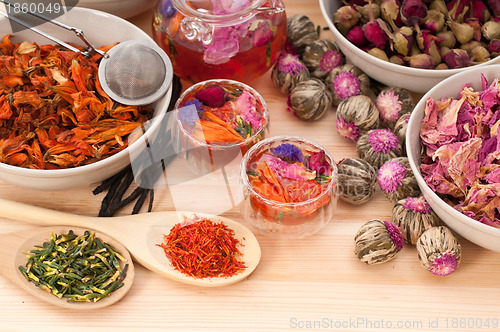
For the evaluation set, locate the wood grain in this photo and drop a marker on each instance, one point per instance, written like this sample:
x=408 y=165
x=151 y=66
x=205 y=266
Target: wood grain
x=316 y=281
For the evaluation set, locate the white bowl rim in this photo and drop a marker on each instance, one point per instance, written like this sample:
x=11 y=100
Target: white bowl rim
x=414 y=125
x=431 y=73
x=66 y=172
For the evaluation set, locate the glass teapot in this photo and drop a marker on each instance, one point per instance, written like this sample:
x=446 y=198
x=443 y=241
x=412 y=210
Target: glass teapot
x=231 y=39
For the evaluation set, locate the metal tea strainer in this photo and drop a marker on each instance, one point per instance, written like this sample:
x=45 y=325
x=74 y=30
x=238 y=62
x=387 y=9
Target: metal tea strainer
x=134 y=72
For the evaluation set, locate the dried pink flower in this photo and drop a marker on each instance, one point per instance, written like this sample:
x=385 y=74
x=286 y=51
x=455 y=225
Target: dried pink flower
x=390 y=175
x=330 y=60
x=318 y=162
x=262 y=34
x=417 y=204
x=282 y=169
x=247 y=104
x=348 y=130
x=383 y=140
x=444 y=264
x=213 y=96
x=290 y=64
x=389 y=106
x=395 y=234
x=346 y=85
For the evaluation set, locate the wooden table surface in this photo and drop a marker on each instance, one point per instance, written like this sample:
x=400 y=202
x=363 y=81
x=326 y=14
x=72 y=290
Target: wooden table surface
x=315 y=282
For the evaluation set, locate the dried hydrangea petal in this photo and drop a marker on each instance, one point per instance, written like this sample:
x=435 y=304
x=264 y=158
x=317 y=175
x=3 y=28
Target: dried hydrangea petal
x=439 y=251
x=414 y=216
x=378 y=242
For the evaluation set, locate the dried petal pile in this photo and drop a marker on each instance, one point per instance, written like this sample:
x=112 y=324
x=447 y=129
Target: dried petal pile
x=53 y=111
x=461 y=160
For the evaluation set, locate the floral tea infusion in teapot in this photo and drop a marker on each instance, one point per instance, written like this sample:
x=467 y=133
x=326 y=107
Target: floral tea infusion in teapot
x=232 y=39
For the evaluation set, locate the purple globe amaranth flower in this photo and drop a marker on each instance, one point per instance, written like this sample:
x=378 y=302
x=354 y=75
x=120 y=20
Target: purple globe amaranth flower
x=417 y=204
x=331 y=60
x=288 y=152
x=383 y=140
x=290 y=64
x=213 y=96
x=388 y=106
x=346 y=85
x=348 y=130
x=390 y=176
x=444 y=264
x=395 y=234
x=318 y=162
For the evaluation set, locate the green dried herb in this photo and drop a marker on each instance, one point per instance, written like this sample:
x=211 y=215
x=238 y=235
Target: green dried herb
x=79 y=268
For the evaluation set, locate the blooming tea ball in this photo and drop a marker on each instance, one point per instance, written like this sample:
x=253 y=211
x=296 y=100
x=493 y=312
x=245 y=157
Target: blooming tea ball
x=414 y=216
x=347 y=81
x=439 y=251
x=378 y=146
x=355 y=116
x=397 y=180
x=378 y=242
x=321 y=57
x=400 y=129
x=356 y=180
x=287 y=72
x=301 y=32
x=392 y=103
x=310 y=99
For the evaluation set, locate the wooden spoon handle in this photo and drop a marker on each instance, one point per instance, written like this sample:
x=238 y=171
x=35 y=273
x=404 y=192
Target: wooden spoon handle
x=41 y=216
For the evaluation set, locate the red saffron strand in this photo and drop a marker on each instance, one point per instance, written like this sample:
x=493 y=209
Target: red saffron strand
x=202 y=248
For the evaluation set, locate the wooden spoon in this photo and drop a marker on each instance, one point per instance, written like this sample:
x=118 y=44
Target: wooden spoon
x=12 y=246
x=140 y=234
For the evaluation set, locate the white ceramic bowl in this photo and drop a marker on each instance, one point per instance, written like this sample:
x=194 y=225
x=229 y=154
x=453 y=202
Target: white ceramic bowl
x=479 y=233
x=122 y=8
x=100 y=29
x=413 y=79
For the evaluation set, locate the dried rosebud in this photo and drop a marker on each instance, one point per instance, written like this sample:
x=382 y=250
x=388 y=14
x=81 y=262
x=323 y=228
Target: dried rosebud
x=494 y=46
x=476 y=25
x=439 y=251
x=491 y=30
x=321 y=57
x=345 y=18
x=356 y=180
x=434 y=21
x=378 y=53
x=458 y=9
x=389 y=11
x=442 y=66
x=457 y=58
x=470 y=46
x=413 y=12
x=479 y=10
x=213 y=96
x=463 y=32
x=357 y=36
x=448 y=39
x=414 y=216
x=391 y=103
x=423 y=61
x=378 y=146
x=378 y=241
x=355 y=116
x=375 y=35
x=397 y=59
x=403 y=41
x=433 y=50
x=479 y=54
x=494 y=6
x=439 y=5
x=288 y=71
x=318 y=162
x=396 y=180
x=365 y=11
x=444 y=50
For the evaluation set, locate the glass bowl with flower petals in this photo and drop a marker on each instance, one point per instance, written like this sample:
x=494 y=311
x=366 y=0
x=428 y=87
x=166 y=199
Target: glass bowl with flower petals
x=216 y=122
x=290 y=187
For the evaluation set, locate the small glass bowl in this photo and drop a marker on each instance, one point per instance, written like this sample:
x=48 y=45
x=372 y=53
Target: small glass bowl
x=203 y=157
x=287 y=220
